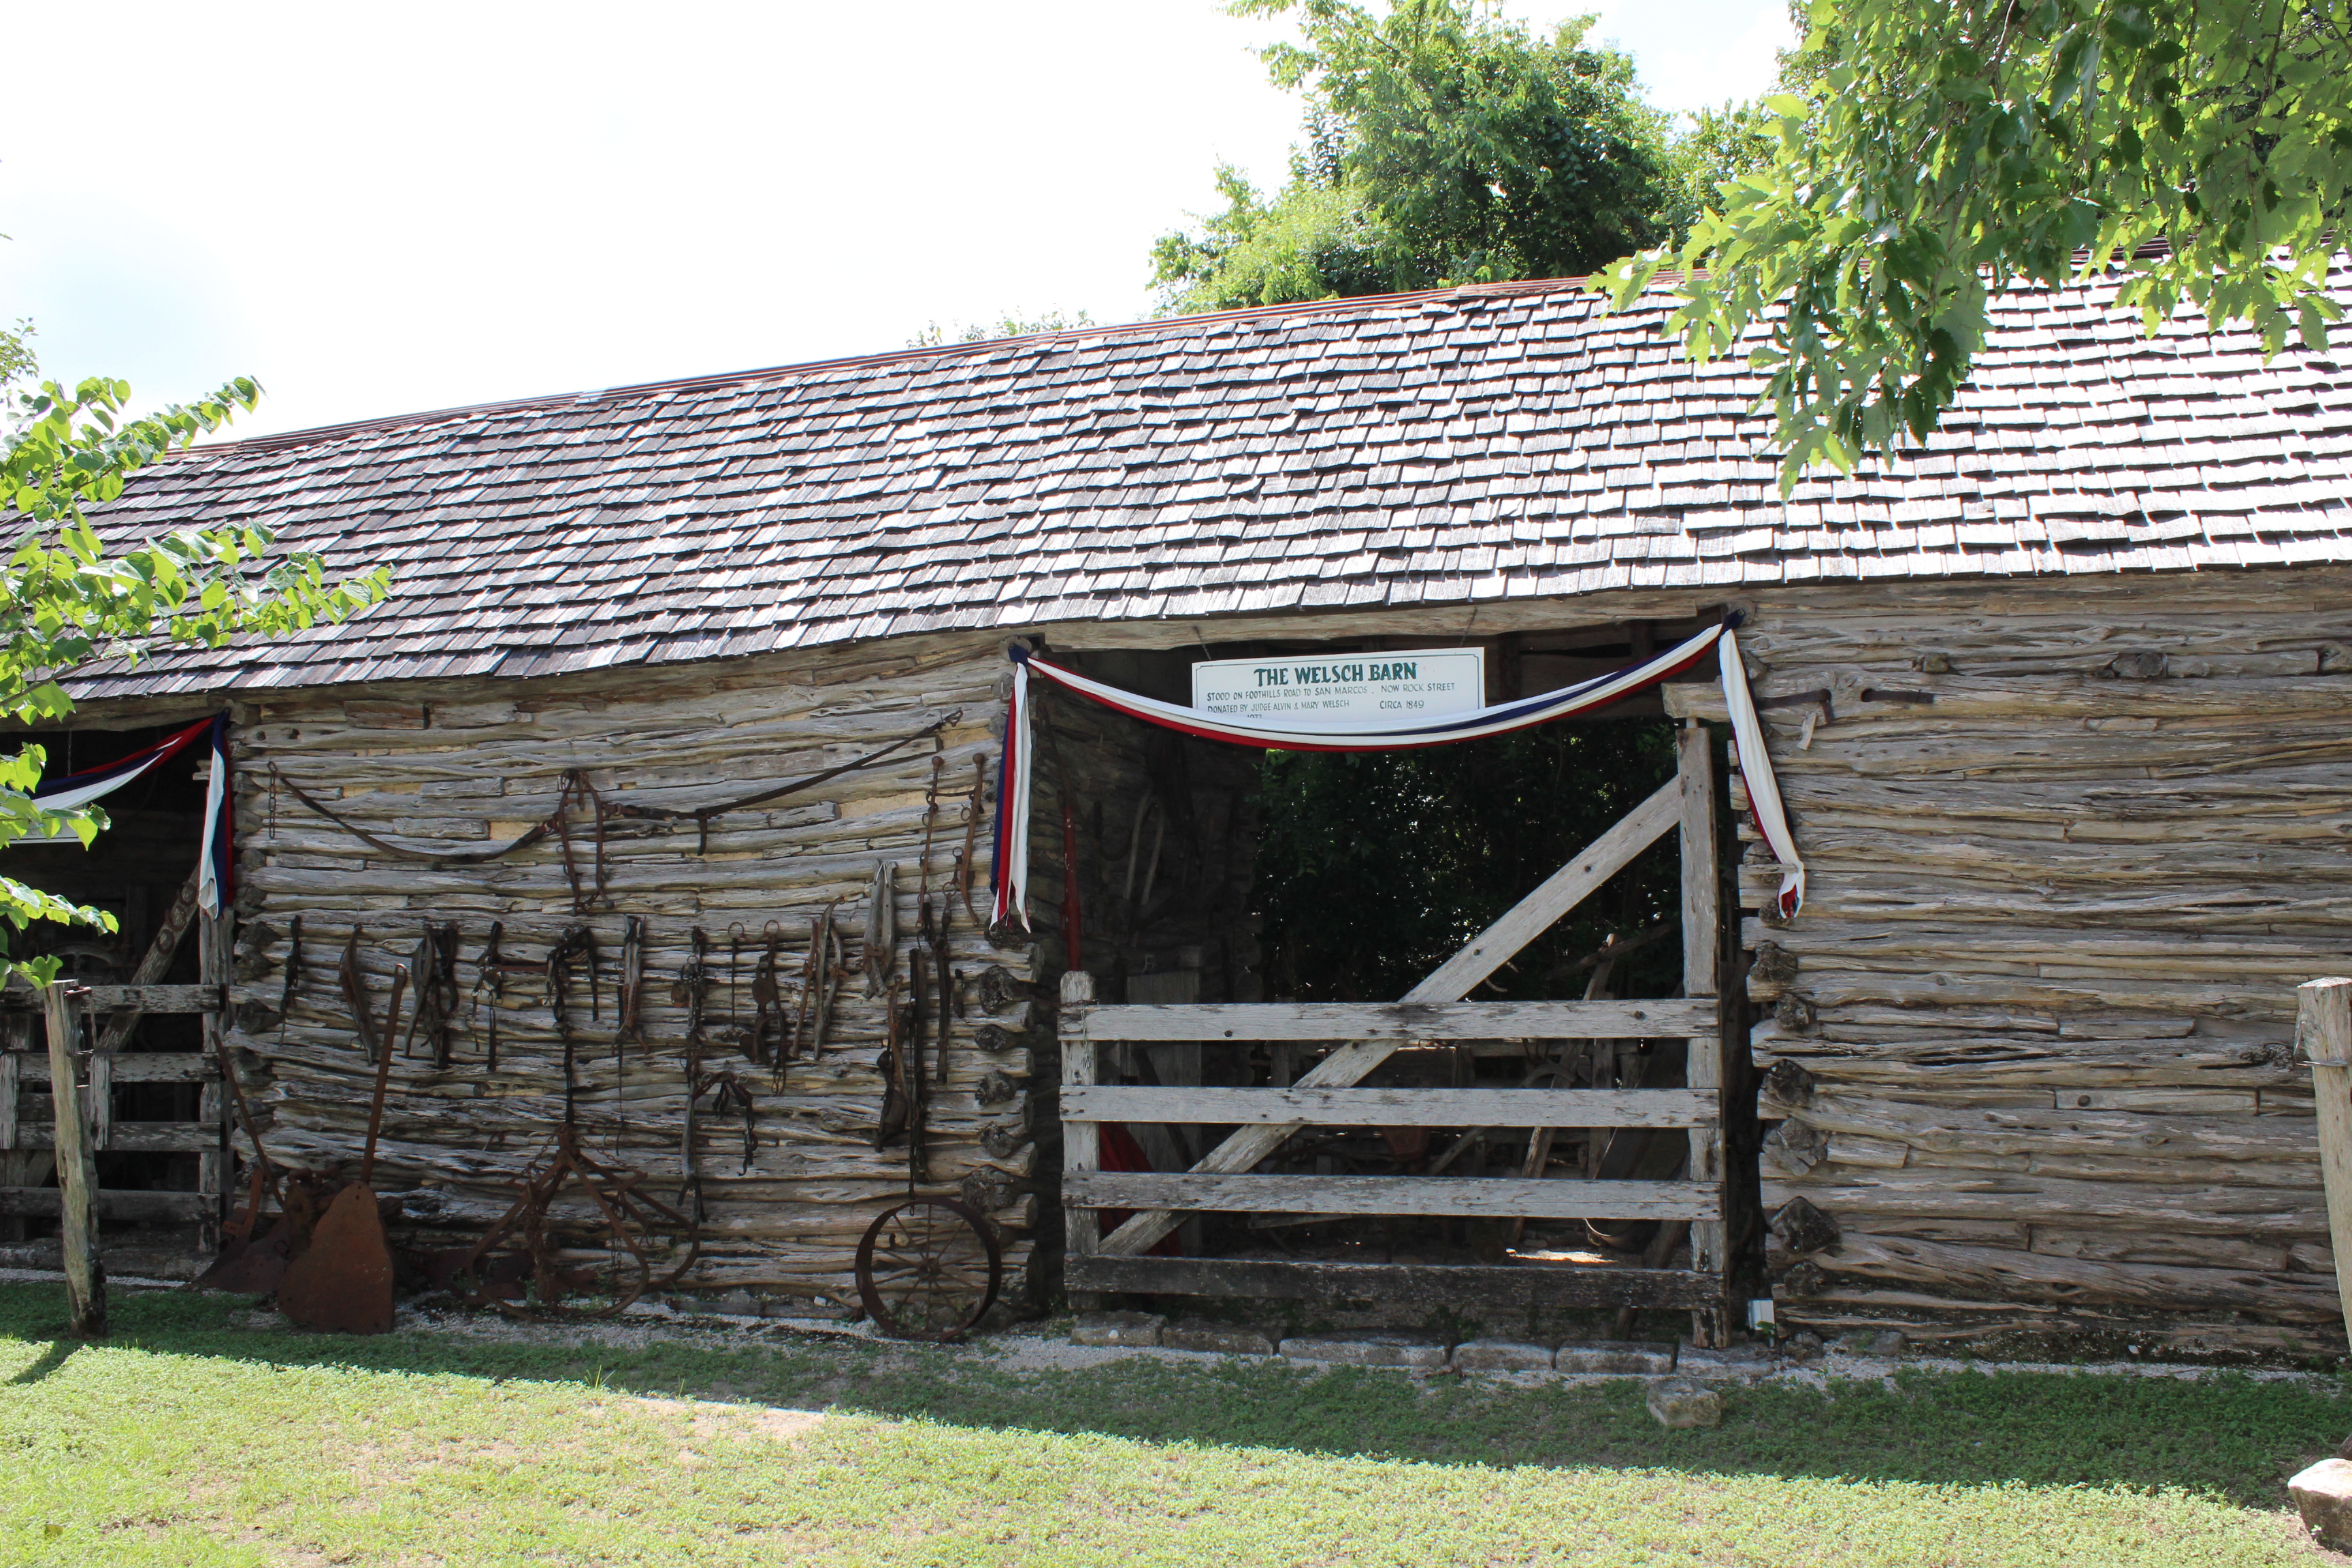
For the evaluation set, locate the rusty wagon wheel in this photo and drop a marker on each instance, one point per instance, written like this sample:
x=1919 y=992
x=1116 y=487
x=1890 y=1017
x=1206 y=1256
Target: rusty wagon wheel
x=929 y=1268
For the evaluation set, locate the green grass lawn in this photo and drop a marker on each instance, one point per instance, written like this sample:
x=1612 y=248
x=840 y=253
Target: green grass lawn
x=185 y=1440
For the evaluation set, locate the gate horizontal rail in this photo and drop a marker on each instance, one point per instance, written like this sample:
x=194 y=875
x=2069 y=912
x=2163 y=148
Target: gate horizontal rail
x=1188 y=1105
x=124 y=998
x=1638 y=1019
x=1505 y=1197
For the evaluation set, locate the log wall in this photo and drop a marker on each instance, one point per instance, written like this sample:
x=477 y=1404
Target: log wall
x=2029 y=1046
x=466 y=767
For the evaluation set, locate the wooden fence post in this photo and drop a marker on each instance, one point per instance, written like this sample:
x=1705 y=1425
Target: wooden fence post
x=2323 y=1029
x=1081 y=1140
x=77 y=1173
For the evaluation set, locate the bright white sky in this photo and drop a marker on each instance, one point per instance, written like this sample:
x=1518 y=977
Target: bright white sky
x=381 y=209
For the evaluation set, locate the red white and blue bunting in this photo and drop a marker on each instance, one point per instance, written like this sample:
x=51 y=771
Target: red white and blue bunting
x=1009 y=876
x=216 y=870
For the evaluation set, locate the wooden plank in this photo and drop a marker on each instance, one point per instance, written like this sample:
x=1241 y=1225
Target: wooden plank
x=1497 y=1288
x=1081 y=1140
x=122 y=1206
x=132 y=1137
x=1702 y=940
x=135 y=998
x=1701 y=882
x=1394 y=1107
x=215 y=938
x=1489 y=951
x=1404 y=1021
x=2324 y=1033
x=9 y=1081
x=1501 y=1197
x=137 y=1066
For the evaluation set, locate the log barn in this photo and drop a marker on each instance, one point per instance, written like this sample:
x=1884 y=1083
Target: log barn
x=2056 y=705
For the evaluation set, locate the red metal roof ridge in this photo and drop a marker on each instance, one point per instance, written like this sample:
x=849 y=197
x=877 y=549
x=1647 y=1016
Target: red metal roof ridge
x=324 y=433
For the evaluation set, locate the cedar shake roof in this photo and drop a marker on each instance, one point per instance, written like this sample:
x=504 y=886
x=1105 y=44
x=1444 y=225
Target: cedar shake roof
x=1485 y=444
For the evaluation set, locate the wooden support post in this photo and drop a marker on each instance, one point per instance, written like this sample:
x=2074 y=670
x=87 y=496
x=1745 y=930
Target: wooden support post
x=2322 y=1028
x=77 y=1172
x=214 y=1177
x=1702 y=940
x=1081 y=1140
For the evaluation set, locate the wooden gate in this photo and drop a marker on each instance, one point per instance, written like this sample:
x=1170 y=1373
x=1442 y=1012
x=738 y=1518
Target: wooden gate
x=1332 y=1094
x=25 y=1138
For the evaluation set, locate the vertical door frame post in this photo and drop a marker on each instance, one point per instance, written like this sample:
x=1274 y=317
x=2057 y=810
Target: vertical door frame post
x=1702 y=956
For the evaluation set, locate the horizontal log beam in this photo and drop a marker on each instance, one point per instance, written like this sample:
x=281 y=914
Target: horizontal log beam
x=131 y=1067
x=131 y=1137
x=1638 y=1019
x=1498 y=1287
x=122 y=998
x=1494 y=1197
x=1391 y=1107
x=122 y=1204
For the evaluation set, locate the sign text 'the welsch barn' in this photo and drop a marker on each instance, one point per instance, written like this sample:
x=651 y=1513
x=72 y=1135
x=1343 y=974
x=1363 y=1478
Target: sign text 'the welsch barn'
x=1338 y=692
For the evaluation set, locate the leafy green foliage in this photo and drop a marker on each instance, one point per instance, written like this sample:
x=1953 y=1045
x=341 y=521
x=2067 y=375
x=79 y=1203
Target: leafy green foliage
x=1938 y=150
x=1316 y=240
x=65 y=599
x=17 y=360
x=1444 y=145
x=936 y=336
x=1374 y=866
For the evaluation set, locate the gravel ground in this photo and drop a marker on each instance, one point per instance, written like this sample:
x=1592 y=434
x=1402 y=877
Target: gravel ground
x=1048 y=1347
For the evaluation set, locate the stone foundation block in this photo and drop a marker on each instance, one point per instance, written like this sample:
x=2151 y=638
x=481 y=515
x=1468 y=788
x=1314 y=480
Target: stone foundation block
x=1218 y=1339
x=1368 y=1350
x=1501 y=1355
x=1118 y=1329
x=1616 y=1359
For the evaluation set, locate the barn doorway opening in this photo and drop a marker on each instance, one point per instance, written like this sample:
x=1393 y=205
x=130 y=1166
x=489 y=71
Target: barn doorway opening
x=1349 y=878
x=133 y=870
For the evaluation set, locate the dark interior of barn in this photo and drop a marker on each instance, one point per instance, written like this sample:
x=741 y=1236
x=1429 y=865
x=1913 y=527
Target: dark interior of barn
x=132 y=872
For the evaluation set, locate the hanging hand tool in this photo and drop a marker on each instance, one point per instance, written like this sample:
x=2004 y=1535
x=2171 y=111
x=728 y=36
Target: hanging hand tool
x=692 y=985
x=576 y=943
x=893 y=1118
x=737 y=934
x=726 y=1089
x=492 y=977
x=768 y=1001
x=881 y=928
x=293 y=976
x=627 y=1024
x=832 y=969
x=354 y=983
x=434 y=966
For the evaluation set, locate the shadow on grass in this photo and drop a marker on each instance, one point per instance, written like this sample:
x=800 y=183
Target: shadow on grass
x=48 y=1361
x=2228 y=1437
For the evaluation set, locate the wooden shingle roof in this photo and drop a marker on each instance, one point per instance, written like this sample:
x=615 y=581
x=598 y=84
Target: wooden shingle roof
x=1464 y=445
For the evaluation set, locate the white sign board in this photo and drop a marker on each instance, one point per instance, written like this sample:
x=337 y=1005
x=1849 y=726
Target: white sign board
x=1337 y=691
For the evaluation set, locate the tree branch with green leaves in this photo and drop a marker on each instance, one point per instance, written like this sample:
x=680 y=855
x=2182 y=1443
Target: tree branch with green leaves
x=1940 y=150
x=67 y=599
